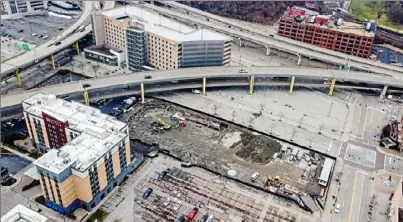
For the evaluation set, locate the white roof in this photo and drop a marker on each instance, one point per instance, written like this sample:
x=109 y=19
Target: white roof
x=99 y=132
x=165 y=27
x=21 y=214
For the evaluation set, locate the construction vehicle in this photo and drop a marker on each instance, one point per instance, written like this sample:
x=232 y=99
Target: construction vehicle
x=160 y=126
x=270 y=181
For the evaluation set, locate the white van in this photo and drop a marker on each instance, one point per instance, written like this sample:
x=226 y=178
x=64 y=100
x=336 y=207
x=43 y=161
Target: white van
x=254 y=176
x=45 y=37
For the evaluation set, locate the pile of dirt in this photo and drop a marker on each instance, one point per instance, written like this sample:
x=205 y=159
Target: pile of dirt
x=256 y=148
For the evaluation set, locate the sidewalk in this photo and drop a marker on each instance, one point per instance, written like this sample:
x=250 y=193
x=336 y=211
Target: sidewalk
x=333 y=190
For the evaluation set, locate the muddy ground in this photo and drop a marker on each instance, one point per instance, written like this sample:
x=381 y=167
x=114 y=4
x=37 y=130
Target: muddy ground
x=217 y=145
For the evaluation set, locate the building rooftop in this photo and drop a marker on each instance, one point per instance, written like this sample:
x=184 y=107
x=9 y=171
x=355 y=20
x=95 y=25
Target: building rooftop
x=163 y=26
x=331 y=23
x=101 y=49
x=99 y=132
x=23 y=214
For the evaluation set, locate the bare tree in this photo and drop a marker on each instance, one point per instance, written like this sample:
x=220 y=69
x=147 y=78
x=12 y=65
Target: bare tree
x=251 y=119
x=81 y=66
x=281 y=115
x=300 y=121
x=293 y=132
x=233 y=114
x=271 y=126
x=321 y=126
x=96 y=67
x=310 y=139
x=262 y=106
x=215 y=108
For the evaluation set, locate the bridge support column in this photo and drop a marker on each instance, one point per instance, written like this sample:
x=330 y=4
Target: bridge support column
x=251 y=84
x=18 y=77
x=299 y=60
x=204 y=86
x=268 y=50
x=52 y=59
x=75 y=45
x=86 y=97
x=331 y=88
x=142 y=92
x=383 y=93
x=292 y=84
x=240 y=42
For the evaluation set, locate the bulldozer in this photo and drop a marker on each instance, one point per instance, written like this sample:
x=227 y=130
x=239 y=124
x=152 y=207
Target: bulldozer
x=270 y=181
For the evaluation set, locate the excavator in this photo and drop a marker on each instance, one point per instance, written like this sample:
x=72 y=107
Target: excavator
x=160 y=126
x=270 y=181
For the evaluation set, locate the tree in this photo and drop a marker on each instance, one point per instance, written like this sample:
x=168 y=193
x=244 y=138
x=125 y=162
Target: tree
x=395 y=13
x=215 y=108
x=251 y=119
x=371 y=5
x=271 y=126
x=321 y=126
x=301 y=120
x=96 y=67
x=281 y=115
x=293 y=132
x=233 y=114
x=262 y=106
x=81 y=66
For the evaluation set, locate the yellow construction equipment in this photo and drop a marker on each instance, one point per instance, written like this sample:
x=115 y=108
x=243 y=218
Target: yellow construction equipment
x=160 y=126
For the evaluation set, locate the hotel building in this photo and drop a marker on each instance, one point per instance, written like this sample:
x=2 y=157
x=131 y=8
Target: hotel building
x=149 y=38
x=87 y=153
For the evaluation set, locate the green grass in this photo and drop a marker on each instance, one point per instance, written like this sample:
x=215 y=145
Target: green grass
x=99 y=215
x=368 y=13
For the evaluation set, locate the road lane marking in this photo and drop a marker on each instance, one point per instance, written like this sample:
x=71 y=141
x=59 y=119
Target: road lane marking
x=344 y=201
x=365 y=123
x=330 y=146
x=359 y=205
x=341 y=144
x=352 y=198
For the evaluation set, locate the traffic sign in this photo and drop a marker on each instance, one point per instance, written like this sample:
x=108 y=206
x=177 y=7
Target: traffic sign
x=26 y=47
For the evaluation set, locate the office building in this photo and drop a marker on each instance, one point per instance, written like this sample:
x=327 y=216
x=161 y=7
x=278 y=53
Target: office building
x=87 y=152
x=149 y=38
x=328 y=32
x=23 y=214
x=18 y=7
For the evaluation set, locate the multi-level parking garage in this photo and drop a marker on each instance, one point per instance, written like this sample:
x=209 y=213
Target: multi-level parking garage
x=202 y=78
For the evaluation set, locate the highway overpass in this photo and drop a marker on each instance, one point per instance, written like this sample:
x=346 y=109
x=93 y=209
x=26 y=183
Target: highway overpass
x=192 y=78
x=277 y=42
x=67 y=38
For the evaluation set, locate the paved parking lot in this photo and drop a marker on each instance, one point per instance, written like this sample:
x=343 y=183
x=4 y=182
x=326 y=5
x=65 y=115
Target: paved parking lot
x=39 y=24
x=360 y=155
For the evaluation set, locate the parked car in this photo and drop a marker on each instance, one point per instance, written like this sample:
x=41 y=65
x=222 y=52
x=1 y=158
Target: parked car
x=177 y=205
x=204 y=218
x=21 y=30
x=243 y=71
x=210 y=218
x=86 y=85
x=193 y=213
x=162 y=175
x=58 y=43
x=181 y=219
x=167 y=202
x=148 y=77
x=147 y=193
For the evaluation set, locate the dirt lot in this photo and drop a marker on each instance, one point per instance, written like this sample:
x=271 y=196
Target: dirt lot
x=222 y=146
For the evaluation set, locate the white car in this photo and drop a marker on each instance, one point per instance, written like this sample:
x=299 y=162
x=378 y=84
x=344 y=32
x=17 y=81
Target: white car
x=243 y=71
x=167 y=202
x=254 y=176
x=210 y=218
x=177 y=205
x=337 y=209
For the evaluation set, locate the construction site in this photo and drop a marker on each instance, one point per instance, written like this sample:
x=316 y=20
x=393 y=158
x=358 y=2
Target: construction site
x=229 y=150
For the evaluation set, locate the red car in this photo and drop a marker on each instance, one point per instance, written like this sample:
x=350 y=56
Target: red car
x=193 y=213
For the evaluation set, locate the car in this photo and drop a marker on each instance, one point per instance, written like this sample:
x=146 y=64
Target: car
x=167 y=202
x=181 y=219
x=204 y=218
x=21 y=39
x=21 y=30
x=86 y=85
x=254 y=176
x=271 y=35
x=337 y=208
x=58 y=43
x=177 y=205
x=40 y=36
x=148 y=77
x=186 y=164
x=210 y=218
x=243 y=71
x=162 y=175
x=174 y=81
x=193 y=213
x=147 y=193
x=34 y=34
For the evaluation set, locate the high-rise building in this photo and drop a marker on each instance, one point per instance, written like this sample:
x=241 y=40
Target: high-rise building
x=327 y=32
x=16 y=7
x=87 y=152
x=149 y=38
